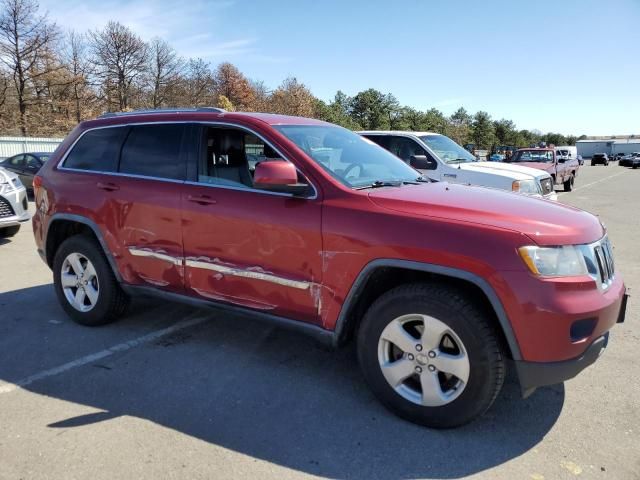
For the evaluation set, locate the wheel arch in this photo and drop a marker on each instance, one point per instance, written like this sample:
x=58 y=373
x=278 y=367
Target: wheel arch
x=64 y=225
x=383 y=274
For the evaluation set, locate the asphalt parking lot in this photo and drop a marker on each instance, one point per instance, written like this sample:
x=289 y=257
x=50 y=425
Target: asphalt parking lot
x=173 y=392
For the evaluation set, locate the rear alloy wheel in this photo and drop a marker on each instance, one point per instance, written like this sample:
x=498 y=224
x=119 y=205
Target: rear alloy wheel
x=430 y=355
x=80 y=282
x=568 y=185
x=85 y=284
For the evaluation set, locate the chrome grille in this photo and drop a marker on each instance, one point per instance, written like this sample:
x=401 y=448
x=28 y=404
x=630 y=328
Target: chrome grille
x=547 y=186
x=601 y=257
x=6 y=210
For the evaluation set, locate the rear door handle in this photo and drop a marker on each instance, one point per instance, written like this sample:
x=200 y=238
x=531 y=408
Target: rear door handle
x=108 y=186
x=202 y=199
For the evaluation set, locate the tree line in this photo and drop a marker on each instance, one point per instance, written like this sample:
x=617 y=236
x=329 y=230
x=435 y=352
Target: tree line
x=52 y=79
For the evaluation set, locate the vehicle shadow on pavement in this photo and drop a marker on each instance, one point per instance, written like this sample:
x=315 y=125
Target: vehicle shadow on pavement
x=264 y=392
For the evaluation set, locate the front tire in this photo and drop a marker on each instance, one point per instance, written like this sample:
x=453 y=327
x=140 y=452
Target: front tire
x=85 y=284
x=568 y=185
x=430 y=355
x=9 y=231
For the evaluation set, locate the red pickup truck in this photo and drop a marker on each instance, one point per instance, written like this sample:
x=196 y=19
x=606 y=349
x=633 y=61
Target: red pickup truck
x=563 y=171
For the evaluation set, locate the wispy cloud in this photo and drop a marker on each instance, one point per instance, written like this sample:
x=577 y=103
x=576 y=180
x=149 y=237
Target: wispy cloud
x=203 y=20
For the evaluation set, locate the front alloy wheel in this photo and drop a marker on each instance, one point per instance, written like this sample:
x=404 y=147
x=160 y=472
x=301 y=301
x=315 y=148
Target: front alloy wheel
x=423 y=360
x=431 y=354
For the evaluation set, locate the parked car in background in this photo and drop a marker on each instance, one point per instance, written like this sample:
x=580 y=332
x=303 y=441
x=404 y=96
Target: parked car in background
x=14 y=208
x=26 y=165
x=439 y=284
x=600 y=159
x=440 y=158
x=563 y=172
x=618 y=156
x=628 y=160
x=496 y=157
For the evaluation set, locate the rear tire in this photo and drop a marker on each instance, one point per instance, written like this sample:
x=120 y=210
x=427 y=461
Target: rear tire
x=568 y=185
x=85 y=285
x=9 y=231
x=413 y=384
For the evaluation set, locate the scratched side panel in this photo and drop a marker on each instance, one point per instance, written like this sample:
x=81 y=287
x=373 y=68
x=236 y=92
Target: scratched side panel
x=254 y=250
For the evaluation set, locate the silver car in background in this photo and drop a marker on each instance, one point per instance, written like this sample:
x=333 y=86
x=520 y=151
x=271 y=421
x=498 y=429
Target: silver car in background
x=14 y=208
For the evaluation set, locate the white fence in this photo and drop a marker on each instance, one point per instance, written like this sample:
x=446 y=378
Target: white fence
x=10 y=146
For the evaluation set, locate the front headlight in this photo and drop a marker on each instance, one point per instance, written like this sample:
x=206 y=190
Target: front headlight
x=529 y=187
x=565 y=261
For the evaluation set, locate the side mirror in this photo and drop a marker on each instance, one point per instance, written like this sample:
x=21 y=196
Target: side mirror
x=421 y=162
x=278 y=176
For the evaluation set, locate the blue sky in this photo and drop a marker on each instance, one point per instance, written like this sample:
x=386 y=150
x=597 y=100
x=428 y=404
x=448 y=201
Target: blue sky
x=571 y=66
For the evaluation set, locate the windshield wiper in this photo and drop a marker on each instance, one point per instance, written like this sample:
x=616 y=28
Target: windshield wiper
x=381 y=183
x=459 y=160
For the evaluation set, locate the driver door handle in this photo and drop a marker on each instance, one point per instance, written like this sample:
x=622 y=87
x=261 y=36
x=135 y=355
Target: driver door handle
x=108 y=186
x=202 y=199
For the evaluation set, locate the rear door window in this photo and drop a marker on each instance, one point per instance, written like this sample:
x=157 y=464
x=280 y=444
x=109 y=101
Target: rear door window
x=97 y=150
x=154 y=151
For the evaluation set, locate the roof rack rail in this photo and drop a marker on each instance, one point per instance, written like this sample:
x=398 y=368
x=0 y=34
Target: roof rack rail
x=163 y=110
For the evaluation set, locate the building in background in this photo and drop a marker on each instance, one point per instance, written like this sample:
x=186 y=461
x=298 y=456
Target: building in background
x=10 y=146
x=609 y=145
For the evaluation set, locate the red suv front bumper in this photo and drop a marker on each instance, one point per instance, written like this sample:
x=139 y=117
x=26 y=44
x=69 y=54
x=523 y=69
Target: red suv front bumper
x=561 y=325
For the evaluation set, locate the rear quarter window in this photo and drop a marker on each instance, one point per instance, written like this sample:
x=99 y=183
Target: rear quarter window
x=97 y=150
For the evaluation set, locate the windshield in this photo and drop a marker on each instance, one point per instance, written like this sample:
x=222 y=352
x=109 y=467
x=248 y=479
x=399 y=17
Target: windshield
x=533 y=156
x=348 y=157
x=447 y=150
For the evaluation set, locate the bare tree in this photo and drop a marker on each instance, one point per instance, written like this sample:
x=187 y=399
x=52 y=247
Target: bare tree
x=79 y=67
x=120 y=59
x=4 y=86
x=25 y=39
x=261 y=96
x=165 y=71
x=199 y=85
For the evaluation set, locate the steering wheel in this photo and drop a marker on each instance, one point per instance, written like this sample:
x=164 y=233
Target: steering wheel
x=347 y=170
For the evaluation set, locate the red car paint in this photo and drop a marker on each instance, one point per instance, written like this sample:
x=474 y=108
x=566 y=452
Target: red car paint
x=299 y=258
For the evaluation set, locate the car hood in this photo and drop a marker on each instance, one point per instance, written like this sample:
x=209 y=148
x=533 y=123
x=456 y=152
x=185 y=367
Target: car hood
x=517 y=172
x=543 y=221
x=536 y=165
x=6 y=175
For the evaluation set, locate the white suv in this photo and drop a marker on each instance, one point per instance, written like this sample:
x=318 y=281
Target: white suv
x=14 y=208
x=440 y=158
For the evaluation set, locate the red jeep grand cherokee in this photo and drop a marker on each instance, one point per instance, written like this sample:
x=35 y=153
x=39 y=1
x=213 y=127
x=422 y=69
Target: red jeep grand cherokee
x=310 y=226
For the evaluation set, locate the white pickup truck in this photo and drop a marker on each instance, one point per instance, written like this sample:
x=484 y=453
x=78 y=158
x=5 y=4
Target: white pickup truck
x=440 y=158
